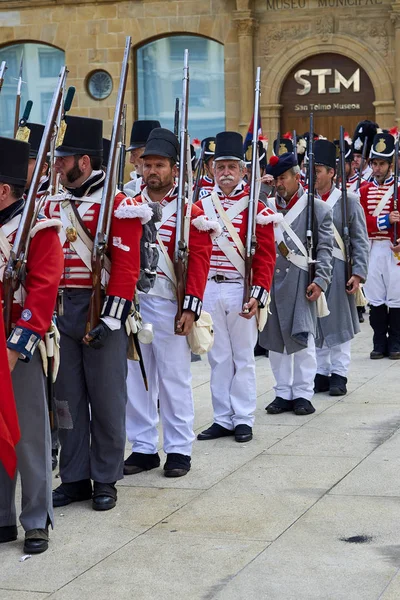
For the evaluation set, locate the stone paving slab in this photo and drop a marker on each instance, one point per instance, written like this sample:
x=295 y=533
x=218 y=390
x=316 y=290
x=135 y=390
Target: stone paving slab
x=311 y=562
x=22 y=595
x=270 y=493
x=165 y=565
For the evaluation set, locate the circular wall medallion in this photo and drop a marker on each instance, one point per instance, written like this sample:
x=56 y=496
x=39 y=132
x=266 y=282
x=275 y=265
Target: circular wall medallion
x=99 y=84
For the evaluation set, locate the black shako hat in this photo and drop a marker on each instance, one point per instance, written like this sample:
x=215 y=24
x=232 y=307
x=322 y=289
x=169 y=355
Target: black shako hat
x=106 y=151
x=209 y=147
x=281 y=146
x=325 y=153
x=348 y=151
x=35 y=138
x=82 y=136
x=279 y=164
x=248 y=154
x=14 y=159
x=364 y=130
x=382 y=147
x=162 y=142
x=140 y=133
x=228 y=146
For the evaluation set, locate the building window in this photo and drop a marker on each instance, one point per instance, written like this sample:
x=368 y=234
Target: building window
x=41 y=66
x=159 y=82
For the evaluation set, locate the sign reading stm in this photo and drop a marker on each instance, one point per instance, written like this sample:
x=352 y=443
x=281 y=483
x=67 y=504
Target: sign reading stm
x=321 y=74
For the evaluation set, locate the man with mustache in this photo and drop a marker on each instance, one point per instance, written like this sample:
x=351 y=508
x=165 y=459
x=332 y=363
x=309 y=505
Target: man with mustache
x=292 y=323
x=233 y=381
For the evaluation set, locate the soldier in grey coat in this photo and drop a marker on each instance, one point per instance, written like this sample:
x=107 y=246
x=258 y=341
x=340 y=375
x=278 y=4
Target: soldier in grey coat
x=336 y=331
x=292 y=325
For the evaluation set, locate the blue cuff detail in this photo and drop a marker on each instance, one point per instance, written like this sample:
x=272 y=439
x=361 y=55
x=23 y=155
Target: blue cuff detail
x=116 y=307
x=260 y=294
x=194 y=304
x=25 y=341
x=383 y=222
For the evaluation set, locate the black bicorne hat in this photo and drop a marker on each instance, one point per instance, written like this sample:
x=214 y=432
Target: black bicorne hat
x=162 y=142
x=106 y=151
x=228 y=146
x=35 y=138
x=364 y=130
x=82 y=136
x=383 y=147
x=248 y=153
x=282 y=146
x=14 y=159
x=278 y=165
x=325 y=153
x=209 y=147
x=348 y=151
x=140 y=133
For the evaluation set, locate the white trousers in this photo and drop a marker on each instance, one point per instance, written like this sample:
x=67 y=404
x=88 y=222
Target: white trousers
x=383 y=281
x=295 y=373
x=233 y=372
x=167 y=364
x=334 y=360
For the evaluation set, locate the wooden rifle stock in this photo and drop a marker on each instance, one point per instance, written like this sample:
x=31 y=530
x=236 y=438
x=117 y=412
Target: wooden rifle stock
x=18 y=98
x=122 y=151
x=14 y=272
x=107 y=201
x=310 y=203
x=396 y=189
x=345 y=212
x=251 y=241
x=181 y=244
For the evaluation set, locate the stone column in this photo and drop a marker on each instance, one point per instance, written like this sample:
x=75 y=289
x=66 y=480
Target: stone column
x=387 y=111
x=395 y=18
x=245 y=24
x=270 y=117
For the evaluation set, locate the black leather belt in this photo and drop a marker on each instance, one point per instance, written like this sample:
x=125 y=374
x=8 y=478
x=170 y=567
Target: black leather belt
x=221 y=278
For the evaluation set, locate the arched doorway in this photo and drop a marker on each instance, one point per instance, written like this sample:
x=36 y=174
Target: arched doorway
x=159 y=82
x=331 y=86
x=41 y=66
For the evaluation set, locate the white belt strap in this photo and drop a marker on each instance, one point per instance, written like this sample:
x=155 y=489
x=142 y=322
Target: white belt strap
x=222 y=241
x=383 y=201
x=228 y=223
x=165 y=263
x=333 y=197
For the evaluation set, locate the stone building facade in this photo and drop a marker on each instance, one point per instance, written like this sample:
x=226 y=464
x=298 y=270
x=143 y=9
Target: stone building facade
x=278 y=35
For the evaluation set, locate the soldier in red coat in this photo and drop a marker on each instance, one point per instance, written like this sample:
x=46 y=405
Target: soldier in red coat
x=167 y=358
x=382 y=288
x=91 y=385
x=233 y=377
x=32 y=312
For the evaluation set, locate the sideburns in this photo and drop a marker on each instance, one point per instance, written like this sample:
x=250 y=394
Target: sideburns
x=75 y=172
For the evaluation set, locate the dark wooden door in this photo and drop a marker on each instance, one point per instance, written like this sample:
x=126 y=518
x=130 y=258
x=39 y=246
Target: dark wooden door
x=329 y=127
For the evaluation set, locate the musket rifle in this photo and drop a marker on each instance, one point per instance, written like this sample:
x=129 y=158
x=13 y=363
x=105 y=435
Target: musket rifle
x=295 y=144
x=3 y=69
x=251 y=241
x=176 y=118
x=345 y=212
x=181 y=245
x=362 y=164
x=107 y=201
x=18 y=98
x=310 y=203
x=15 y=270
x=396 y=189
x=122 y=151
x=199 y=173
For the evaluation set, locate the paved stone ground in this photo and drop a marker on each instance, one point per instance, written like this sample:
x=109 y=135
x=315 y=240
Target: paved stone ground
x=279 y=518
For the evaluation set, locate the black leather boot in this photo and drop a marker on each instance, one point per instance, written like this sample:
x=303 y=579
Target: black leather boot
x=379 y=321
x=394 y=334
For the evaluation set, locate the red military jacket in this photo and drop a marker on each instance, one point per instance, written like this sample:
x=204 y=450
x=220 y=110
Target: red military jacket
x=264 y=258
x=123 y=248
x=35 y=300
x=200 y=246
x=379 y=227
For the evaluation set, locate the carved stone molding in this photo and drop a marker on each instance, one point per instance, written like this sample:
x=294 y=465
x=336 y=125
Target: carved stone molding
x=325 y=26
x=245 y=23
x=372 y=31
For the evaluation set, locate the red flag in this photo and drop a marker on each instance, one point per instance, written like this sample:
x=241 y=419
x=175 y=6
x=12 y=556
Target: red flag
x=9 y=428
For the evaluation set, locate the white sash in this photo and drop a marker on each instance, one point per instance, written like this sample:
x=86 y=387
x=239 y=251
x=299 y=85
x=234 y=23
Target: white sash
x=227 y=216
x=340 y=251
x=383 y=201
x=300 y=260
